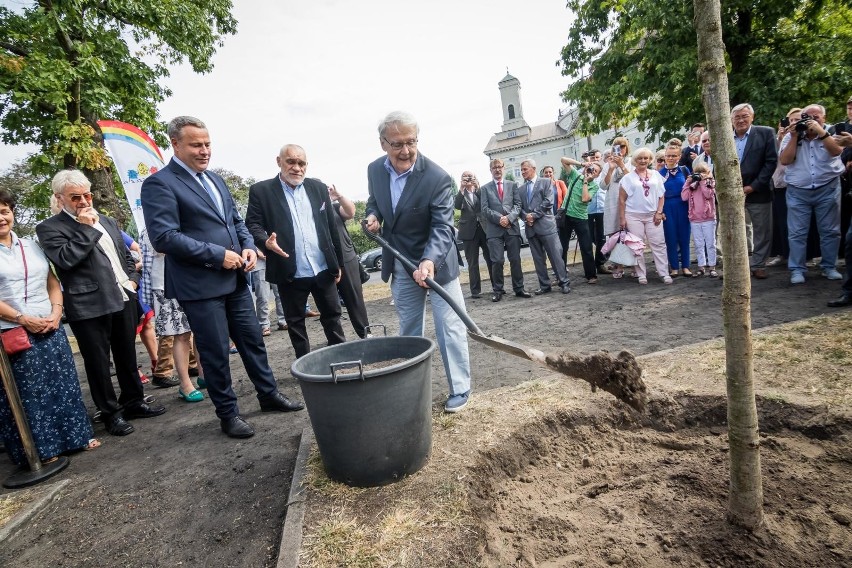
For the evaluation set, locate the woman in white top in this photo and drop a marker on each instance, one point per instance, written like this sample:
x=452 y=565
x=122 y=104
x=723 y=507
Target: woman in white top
x=640 y=211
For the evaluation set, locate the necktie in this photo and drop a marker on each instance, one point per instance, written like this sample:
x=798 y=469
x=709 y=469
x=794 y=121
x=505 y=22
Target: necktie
x=213 y=195
x=500 y=190
x=529 y=192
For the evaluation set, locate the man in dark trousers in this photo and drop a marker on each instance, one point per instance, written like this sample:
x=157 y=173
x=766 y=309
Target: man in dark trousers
x=99 y=282
x=192 y=218
x=472 y=232
x=292 y=218
x=349 y=286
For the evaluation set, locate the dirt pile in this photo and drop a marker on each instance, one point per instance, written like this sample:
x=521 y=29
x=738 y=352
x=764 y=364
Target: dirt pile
x=580 y=490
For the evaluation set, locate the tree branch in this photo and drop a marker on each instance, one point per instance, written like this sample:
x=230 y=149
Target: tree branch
x=14 y=49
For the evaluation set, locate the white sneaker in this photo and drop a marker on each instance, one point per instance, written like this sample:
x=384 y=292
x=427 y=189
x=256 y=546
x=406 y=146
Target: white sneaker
x=832 y=274
x=667 y=279
x=797 y=277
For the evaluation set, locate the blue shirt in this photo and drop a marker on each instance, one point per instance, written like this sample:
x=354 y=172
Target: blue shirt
x=216 y=197
x=673 y=181
x=740 y=143
x=310 y=260
x=397 y=182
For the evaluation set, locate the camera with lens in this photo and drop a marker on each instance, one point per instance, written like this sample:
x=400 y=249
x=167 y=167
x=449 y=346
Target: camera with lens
x=803 y=124
x=695 y=177
x=590 y=169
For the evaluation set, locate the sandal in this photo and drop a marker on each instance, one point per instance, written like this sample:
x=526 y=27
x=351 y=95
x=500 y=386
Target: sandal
x=49 y=460
x=643 y=281
x=673 y=274
x=266 y=332
x=618 y=274
x=698 y=273
x=93 y=444
x=686 y=273
x=714 y=274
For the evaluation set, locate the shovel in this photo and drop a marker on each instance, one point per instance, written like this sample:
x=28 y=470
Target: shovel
x=620 y=376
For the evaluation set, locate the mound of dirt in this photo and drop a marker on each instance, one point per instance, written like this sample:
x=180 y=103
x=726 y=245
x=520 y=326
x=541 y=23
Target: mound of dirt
x=581 y=490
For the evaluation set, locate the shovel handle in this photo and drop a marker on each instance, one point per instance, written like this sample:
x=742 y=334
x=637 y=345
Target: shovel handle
x=411 y=267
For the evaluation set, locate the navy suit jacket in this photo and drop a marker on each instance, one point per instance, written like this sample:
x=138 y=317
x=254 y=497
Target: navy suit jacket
x=422 y=226
x=185 y=224
x=760 y=157
x=89 y=287
x=268 y=212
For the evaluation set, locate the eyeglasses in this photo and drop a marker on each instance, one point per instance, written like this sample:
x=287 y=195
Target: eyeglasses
x=398 y=145
x=294 y=162
x=660 y=160
x=76 y=197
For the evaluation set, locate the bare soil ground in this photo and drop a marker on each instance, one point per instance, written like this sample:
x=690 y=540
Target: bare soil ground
x=537 y=471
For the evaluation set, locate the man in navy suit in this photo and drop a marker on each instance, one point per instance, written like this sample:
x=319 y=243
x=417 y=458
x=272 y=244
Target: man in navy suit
x=192 y=218
x=758 y=157
x=291 y=217
x=411 y=201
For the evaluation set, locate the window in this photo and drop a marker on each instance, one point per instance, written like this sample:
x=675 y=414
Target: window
x=511 y=112
x=512 y=134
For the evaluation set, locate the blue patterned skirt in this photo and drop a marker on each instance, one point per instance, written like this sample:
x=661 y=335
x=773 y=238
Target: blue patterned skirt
x=50 y=392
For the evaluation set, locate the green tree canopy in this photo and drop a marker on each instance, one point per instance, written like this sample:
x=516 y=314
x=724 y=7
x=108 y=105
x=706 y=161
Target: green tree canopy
x=637 y=60
x=65 y=64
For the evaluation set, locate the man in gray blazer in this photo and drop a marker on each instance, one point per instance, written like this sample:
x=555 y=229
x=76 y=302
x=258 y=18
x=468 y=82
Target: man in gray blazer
x=411 y=202
x=537 y=213
x=501 y=207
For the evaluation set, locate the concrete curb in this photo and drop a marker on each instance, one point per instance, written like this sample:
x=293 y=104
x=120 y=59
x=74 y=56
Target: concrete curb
x=291 y=535
x=47 y=494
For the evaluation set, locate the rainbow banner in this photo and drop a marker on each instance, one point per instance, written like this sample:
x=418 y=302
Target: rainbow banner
x=135 y=156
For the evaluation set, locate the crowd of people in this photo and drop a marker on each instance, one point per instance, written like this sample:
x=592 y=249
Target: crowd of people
x=205 y=275
x=795 y=183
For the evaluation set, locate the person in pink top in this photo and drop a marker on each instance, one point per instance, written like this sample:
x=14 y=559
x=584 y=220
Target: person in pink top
x=700 y=191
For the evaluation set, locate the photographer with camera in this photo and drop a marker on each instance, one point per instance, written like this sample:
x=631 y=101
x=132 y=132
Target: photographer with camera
x=472 y=231
x=812 y=157
x=699 y=191
x=582 y=189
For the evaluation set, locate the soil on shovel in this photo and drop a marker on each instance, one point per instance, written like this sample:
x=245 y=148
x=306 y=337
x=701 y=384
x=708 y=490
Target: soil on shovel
x=620 y=376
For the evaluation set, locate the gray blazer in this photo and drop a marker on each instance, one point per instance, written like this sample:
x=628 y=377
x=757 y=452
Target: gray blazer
x=541 y=207
x=493 y=208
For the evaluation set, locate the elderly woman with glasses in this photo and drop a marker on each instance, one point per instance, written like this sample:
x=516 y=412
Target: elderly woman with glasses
x=640 y=211
x=44 y=373
x=676 y=226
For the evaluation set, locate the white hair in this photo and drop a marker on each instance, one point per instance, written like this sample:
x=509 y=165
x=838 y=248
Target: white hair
x=398 y=118
x=69 y=178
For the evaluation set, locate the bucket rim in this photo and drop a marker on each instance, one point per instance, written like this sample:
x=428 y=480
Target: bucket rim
x=373 y=373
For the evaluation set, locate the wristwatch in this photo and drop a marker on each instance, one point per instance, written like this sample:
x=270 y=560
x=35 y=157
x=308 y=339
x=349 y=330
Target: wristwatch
x=824 y=136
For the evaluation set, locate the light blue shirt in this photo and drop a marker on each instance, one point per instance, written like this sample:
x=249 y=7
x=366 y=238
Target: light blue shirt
x=740 y=143
x=813 y=167
x=216 y=196
x=397 y=182
x=310 y=260
x=13 y=286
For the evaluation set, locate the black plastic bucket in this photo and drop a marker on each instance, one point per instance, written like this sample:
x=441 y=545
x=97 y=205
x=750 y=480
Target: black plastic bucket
x=372 y=427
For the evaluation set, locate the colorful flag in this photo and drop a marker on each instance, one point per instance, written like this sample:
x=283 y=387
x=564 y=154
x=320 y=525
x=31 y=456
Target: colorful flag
x=136 y=157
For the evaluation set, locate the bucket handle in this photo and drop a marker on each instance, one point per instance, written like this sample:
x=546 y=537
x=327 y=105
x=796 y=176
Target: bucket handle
x=368 y=329
x=335 y=366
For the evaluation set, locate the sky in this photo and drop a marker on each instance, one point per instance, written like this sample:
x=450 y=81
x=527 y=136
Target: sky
x=322 y=74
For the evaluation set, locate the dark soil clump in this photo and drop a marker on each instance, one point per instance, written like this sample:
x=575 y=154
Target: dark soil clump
x=620 y=376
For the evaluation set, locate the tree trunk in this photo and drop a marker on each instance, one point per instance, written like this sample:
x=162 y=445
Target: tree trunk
x=745 y=499
x=104 y=196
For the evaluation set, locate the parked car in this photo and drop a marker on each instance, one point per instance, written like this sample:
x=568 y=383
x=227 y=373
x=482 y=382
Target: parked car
x=372 y=259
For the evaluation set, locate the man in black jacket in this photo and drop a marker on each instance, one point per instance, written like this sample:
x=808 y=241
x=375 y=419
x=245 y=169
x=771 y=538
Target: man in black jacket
x=291 y=217
x=471 y=231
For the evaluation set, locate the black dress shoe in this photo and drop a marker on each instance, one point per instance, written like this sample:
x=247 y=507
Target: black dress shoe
x=282 y=327
x=236 y=427
x=279 y=403
x=496 y=296
x=476 y=295
x=166 y=382
x=117 y=425
x=523 y=294
x=541 y=291
x=143 y=410
x=566 y=289
x=844 y=300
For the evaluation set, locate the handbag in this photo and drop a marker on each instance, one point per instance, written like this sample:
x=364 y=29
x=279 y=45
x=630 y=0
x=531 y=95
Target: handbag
x=16 y=340
x=621 y=253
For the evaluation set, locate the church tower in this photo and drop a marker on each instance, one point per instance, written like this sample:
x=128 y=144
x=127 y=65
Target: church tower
x=513 y=113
